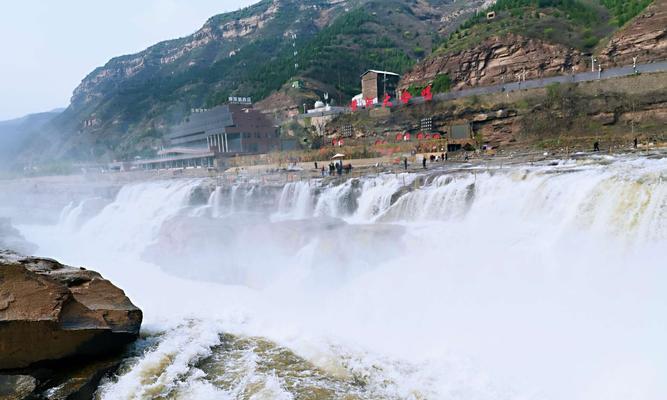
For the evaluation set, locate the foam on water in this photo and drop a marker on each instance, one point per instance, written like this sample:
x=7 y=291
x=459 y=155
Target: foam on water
x=543 y=282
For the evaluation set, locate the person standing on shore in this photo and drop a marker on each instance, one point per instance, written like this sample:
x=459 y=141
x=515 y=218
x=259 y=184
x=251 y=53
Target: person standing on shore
x=424 y=162
x=405 y=163
x=636 y=143
x=596 y=146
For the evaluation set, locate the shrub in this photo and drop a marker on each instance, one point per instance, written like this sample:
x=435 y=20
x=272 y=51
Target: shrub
x=442 y=83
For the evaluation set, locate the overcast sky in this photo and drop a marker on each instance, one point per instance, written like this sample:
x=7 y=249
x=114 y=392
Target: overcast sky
x=48 y=46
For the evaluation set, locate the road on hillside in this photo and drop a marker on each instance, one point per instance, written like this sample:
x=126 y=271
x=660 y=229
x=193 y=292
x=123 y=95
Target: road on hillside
x=540 y=83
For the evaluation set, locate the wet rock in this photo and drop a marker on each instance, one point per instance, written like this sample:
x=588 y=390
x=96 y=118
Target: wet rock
x=11 y=238
x=16 y=387
x=49 y=311
x=78 y=379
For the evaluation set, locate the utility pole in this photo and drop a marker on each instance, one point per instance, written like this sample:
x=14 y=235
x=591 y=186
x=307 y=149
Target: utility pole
x=593 y=61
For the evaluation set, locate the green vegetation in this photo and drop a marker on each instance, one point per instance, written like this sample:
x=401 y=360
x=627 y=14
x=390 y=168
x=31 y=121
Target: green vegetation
x=344 y=50
x=442 y=83
x=416 y=90
x=625 y=10
x=573 y=23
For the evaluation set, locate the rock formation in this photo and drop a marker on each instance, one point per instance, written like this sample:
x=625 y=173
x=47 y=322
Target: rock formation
x=497 y=60
x=61 y=328
x=645 y=38
x=49 y=311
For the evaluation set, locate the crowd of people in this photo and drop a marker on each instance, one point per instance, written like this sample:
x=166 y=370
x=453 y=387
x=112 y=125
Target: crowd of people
x=335 y=168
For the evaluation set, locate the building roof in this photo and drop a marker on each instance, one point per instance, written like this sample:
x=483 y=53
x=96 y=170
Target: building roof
x=203 y=123
x=379 y=72
x=183 y=150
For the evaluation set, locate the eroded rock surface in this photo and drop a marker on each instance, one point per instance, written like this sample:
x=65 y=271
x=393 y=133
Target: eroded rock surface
x=49 y=311
x=498 y=60
x=644 y=38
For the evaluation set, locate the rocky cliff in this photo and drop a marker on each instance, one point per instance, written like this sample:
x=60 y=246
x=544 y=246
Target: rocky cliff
x=644 y=38
x=498 y=59
x=124 y=108
x=529 y=42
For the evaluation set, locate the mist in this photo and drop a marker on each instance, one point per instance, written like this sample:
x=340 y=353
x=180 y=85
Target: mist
x=528 y=282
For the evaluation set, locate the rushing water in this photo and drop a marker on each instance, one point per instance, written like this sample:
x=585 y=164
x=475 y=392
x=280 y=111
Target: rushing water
x=533 y=282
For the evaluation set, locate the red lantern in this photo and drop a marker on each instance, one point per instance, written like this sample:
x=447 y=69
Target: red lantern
x=399 y=137
x=436 y=136
x=420 y=136
x=406 y=137
x=369 y=103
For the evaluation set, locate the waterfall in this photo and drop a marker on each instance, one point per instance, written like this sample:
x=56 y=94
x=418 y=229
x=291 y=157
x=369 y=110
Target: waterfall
x=533 y=281
x=69 y=215
x=296 y=200
x=132 y=221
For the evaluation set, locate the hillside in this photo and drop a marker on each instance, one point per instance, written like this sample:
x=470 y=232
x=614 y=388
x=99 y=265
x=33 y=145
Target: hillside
x=124 y=108
x=530 y=39
x=18 y=133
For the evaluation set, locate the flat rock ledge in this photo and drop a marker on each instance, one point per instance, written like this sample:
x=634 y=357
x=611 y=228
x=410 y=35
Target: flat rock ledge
x=59 y=326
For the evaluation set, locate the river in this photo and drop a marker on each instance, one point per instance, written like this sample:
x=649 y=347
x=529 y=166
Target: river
x=540 y=281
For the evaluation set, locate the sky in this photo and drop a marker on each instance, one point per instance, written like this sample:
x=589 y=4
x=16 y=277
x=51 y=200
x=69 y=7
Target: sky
x=48 y=46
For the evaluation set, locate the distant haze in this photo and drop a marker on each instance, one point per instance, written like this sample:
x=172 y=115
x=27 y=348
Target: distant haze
x=48 y=47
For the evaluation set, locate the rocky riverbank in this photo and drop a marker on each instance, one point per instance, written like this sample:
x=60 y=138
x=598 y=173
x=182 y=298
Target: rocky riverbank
x=62 y=329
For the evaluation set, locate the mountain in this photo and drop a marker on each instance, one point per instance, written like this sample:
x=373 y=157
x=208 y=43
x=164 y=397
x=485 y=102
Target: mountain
x=530 y=39
x=18 y=133
x=125 y=107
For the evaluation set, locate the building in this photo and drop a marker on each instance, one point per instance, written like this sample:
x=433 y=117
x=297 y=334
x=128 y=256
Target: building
x=207 y=137
x=375 y=84
x=320 y=116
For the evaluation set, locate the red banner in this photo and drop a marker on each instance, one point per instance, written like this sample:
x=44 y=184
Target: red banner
x=405 y=97
x=426 y=93
x=386 y=102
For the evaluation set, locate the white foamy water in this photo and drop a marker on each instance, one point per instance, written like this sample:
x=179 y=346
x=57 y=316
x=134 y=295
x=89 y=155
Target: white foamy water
x=543 y=282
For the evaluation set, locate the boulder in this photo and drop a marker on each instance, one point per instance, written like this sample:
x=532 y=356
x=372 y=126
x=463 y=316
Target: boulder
x=11 y=238
x=16 y=387
x=49 y=311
